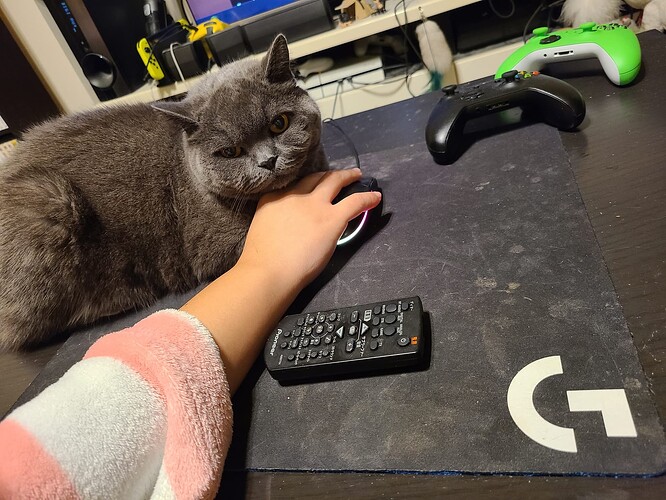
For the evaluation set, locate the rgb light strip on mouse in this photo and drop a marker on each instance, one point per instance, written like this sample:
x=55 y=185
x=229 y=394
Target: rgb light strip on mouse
x=346 y=239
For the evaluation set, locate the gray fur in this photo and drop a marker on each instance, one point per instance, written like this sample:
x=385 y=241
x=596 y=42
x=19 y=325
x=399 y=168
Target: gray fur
x=106 y=211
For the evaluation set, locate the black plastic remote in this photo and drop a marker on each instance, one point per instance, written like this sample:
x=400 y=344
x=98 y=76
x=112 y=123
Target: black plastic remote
x=339 y=342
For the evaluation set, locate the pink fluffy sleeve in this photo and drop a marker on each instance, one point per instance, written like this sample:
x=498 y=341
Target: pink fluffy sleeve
x=146 y=413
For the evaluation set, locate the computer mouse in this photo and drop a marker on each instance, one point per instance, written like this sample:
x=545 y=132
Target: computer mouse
x=356 y=225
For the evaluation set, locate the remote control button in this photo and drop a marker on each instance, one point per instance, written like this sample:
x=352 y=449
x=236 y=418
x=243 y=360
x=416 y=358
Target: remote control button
x=319 y=329
x=403 y=341
x=300 y=321
x=302 y=355
x=310 y=320
x=291 y=357
x=325 y=353
x=308 y=330
x=374 y=345
x=404 y=306
x=352 y=331
x=353 y=317
x=287 y=334
x=377 y=310
x=367 y=315
x=550 y=39
x=306 y=342
x=293 y=344
x=374 y=332
x=284 y=345
x=389 y=330
x=328 y=339
x=391 y=308
x=351 y=343
x=390 y=319
x=321 y=318
x=449 y=89
x=364 y=328
x=315 y=341
x=313 y=354
x=541 y=31
x=588 y=26
x=297 y=332
x=340 y=332
x=332 y=316
x=375 y=321
x=330 y=327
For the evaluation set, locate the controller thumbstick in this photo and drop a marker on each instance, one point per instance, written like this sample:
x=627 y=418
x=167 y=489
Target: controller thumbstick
x=588 y=26
x=509 y=75
x=449 y=89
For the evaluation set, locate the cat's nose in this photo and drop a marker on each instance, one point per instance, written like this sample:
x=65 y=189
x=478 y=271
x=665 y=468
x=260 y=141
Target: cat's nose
x=269 y=164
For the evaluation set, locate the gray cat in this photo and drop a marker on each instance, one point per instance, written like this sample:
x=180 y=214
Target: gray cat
x=106 y=211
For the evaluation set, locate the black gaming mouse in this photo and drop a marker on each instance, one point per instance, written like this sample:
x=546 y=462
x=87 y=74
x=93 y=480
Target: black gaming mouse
x=356 y=225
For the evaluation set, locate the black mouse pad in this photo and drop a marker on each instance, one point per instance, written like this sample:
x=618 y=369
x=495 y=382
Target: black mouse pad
x=532 y=368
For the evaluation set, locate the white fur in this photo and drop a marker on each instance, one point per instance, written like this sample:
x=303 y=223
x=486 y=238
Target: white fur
x=654 y=16
x=577 y=12
x=435 y=52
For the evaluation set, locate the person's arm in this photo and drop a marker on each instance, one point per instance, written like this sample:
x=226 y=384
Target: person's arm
x=148 y=412
x=292 y=237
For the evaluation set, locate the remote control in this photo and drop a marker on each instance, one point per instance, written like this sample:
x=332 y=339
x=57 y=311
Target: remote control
x=351 y=340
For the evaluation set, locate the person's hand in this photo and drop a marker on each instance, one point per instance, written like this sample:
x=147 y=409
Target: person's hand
x=295 y=230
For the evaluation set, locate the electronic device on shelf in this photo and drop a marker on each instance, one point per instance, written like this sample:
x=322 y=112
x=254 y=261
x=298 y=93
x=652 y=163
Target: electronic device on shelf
x=350 y=340
x=545 y=98
x=261 y=20
x=614 y=45
x=103 y=36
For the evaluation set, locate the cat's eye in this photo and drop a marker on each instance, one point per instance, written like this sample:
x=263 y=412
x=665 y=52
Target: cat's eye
x=279 y=124
x=231 y=152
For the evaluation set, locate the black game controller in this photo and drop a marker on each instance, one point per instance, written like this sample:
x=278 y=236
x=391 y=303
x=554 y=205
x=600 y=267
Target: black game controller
x=545 y=98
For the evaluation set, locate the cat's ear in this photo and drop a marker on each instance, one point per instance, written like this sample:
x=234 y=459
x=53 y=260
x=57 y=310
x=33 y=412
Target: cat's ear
x=179 y=112
x=276 y=62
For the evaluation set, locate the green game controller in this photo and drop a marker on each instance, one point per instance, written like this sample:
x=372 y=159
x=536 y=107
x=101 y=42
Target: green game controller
x=615 y=46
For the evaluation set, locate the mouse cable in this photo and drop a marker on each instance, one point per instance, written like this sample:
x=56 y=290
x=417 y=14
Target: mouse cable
x=349 y=142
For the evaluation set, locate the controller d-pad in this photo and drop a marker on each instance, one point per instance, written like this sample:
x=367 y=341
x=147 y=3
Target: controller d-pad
x=550 y=39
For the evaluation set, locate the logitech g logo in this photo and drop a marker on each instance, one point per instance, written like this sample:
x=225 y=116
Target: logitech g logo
x=612 y=403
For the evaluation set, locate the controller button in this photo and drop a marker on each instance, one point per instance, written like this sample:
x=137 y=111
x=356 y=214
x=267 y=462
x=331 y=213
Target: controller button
x=374 y=345
x=588 y=26
x=550 y=39
x=540 y=31
x=449 y=89
x=509 y=75
x=536 y=73
x=389 y=330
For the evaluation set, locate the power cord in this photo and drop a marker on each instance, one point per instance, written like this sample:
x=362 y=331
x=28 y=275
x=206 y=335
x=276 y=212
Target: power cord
x=542 y=6
x=346 y=138
x=498 y=14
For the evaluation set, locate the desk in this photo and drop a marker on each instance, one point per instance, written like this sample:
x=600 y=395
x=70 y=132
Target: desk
x=618 y=161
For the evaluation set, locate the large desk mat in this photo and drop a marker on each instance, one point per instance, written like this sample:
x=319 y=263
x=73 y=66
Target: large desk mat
x=500 y=250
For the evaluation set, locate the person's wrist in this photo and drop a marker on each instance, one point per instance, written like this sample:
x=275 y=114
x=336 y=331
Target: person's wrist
x=275 y=274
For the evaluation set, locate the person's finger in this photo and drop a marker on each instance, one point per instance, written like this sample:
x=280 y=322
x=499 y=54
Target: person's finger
x=330 y=185
x=357 y=203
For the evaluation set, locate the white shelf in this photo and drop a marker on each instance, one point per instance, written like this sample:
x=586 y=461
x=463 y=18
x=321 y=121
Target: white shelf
x=329 y=39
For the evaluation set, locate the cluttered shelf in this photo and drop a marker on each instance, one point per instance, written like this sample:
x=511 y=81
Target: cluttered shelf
x=397 y=13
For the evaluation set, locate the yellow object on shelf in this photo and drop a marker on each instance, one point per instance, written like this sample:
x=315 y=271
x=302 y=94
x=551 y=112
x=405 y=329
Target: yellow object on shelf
x=6 y=149
x=213 y=25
